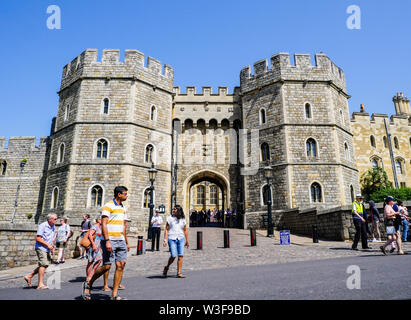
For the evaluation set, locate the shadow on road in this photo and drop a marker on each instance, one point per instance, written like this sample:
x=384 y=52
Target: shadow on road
x=95 y=296
x=157 y=277
x=78 y=279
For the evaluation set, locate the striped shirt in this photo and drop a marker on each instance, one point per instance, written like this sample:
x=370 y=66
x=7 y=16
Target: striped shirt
x=116 y=214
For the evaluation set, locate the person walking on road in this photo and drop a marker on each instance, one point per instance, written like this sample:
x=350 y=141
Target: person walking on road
x=156 y=223
x=115 y=243
x=359 y=223
x=177 y=236
x=392 y=235
x=44 y=248
x=404 y=220
x=375 y=215
x=94 y=253
x=62 y=236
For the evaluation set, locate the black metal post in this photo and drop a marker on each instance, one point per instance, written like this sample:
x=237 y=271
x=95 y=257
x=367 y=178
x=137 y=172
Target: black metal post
x=151 y=209
x=315 y=234
x=253 y=237
x=140 y=245
x=226 y=239
x=199 y=240
x=270 y=227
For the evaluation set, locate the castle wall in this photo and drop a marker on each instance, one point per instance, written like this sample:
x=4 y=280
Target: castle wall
x=30 y=180
x=364 y=127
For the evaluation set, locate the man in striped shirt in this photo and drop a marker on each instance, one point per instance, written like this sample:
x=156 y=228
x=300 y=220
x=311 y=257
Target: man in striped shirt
x=115 y=244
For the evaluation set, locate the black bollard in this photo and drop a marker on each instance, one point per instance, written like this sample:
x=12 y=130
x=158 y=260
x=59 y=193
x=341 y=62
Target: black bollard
x=140 y=245
x=199 y=240
x=315 y=234
x=226 y=239
x=253 y=237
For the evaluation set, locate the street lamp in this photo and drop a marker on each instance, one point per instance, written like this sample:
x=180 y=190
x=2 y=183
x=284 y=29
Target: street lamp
x=22 y=164
x=268 y=173
x=152 y=172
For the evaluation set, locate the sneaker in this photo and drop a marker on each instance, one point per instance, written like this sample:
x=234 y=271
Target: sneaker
x=392 y=250
x=374 y=240
x=355 y=249
x=383 y=250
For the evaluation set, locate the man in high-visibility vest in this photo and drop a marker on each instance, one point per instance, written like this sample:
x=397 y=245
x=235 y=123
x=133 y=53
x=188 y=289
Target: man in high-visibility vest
x=359 y=223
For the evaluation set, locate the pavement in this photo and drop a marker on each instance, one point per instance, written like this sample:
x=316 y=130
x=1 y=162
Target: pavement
x=240 y=255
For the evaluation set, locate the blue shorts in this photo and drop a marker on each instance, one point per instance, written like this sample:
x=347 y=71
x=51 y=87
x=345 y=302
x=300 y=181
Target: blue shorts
x=176 y=247
x=119 y=252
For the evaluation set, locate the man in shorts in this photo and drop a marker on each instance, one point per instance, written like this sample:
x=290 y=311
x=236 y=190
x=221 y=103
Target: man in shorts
x=44 y=246
x=115 y=244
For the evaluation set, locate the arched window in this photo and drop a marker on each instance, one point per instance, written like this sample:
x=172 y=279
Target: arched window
x=384 y=139
x=265 y=194
x=213 y=124
x=106 y=105
x=265 y=152
x=316 y=193
x=374 y=163
x=372 y=141
x=188 y=124
x=54 y=198
x=342 y=117
x=200 y=195
x=225 y=124
x=3 y=167
x=311 y=148
x=213 y=195
x=96 y=196
x=262 y=116
x=398 y=166
x=396 y=144
x=153 y=113
x=60 y=153
x=146 y=197
x=149 y=154
x=66 y=112
x=352 y=193
x=347 y=151
x=308 y=111
x=102 y=148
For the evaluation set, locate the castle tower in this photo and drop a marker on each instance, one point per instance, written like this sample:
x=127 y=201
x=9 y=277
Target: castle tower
x=114 y=118
x=402 y=104
x=302 y=118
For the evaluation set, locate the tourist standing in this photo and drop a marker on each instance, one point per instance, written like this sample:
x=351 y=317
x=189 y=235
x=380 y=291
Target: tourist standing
x=375 y=215
x=44 y=248
x=94 y=253
x=156 y=223
x=115 y=243
x=85 y=227
x=359 y=223
x=62 y=236
x=404 y=220
x=389 y=216
x=177 y=236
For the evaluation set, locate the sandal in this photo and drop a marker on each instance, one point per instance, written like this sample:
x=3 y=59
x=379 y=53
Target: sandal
x=28 y=280
x=180 y=275
x=121 y=287
x=84 y=295
x=42 y=288
x=117 y=298
x=165 y=272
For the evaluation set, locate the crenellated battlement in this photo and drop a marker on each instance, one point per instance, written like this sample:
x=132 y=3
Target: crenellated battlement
x=17 y=144
x=281 y=69
x=86 y=65
x=378 y=119
x=206 y=91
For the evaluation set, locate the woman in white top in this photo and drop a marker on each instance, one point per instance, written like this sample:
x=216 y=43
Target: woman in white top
x=177 y=236
x=156 y=223
x=62 y=236
x=392 y=235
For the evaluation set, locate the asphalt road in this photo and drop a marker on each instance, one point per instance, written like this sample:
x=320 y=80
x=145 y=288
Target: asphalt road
x=380 y=278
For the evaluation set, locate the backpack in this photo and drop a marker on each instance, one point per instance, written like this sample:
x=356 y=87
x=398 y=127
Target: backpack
x=85 y=241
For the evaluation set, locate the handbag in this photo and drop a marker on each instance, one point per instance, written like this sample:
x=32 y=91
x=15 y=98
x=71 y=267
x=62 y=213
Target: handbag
x=85 y=241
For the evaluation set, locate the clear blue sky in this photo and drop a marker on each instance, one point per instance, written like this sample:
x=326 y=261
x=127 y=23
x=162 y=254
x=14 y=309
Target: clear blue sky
x=206 y=42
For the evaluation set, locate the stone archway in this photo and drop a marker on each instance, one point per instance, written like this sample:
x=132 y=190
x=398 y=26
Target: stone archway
x=207 y=176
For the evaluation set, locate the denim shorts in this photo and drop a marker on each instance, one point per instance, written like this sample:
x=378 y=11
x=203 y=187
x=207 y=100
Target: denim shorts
x=119 y=252
x=176 y=247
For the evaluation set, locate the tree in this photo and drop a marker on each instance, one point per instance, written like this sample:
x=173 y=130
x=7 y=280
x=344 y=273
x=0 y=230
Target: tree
x=374 y=180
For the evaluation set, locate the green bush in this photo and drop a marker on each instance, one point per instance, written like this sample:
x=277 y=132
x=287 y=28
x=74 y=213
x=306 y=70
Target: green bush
x=403 y=194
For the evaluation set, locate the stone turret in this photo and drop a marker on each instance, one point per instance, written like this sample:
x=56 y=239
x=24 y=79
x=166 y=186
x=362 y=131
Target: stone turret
x=402 y=104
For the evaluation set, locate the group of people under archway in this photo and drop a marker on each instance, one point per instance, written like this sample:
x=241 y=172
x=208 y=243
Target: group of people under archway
x=214 y=218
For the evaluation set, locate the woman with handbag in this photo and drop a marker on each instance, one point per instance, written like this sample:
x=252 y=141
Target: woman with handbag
x=392 y=234
x=94 y=252
x=62 y=236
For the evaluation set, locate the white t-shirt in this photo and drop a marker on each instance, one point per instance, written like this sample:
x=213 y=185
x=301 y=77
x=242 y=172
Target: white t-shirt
x=156 y=221
x=176 y=230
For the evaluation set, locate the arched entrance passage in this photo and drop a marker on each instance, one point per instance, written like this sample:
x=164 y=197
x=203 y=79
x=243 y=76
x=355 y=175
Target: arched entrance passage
x=206 y=189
